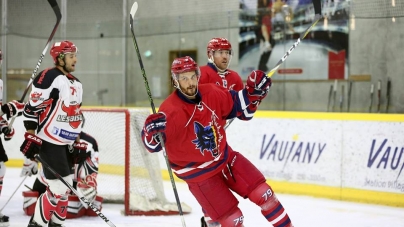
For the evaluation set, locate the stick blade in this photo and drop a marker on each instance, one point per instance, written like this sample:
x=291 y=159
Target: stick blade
x=133 y=10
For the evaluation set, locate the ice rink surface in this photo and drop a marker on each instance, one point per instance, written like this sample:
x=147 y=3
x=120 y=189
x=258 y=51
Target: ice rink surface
x=304 y=211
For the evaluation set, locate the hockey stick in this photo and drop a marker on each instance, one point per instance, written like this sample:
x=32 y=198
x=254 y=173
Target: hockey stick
x=349 y=95
x=371 y=98
x=83 y=199
x=56 y=10
x=379 y=93
x=329 y=98
x=317 y=17
x=131 y=17
x=388 y=94
x=334 y=96
x=13 y=193
x=341 y=98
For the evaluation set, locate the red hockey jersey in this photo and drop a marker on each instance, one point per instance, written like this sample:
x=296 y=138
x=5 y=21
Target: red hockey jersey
x=228 y=79
x=196 y=143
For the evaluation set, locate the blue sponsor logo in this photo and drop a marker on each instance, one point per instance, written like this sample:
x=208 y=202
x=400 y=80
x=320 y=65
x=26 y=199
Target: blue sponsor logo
x=291 y=151
x=55 y=130
x=68 y=135
x=386 y=156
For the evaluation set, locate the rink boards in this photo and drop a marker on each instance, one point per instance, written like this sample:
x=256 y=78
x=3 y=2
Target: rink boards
x=347 y=156
x=357 y=157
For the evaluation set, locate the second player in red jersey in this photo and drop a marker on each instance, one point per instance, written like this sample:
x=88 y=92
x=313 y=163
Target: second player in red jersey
x=219 y=53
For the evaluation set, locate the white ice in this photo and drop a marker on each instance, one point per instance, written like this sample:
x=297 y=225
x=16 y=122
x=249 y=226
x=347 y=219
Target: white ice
x=303 y=210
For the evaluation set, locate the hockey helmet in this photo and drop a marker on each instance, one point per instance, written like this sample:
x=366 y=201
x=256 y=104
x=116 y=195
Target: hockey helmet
x=183 y=65
x=59 y=49
x=218 y=44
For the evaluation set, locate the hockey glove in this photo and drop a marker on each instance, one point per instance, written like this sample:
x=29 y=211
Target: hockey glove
x=257 y=85
x=30 y=168
x=155 y=124
x=31 y=145
x=88 y=187
x=256 y=103
x=8 y=133
x=80 y=151
x=13 y=108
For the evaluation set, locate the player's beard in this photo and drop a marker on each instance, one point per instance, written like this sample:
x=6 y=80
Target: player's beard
x=70 y=68
x=190 y=91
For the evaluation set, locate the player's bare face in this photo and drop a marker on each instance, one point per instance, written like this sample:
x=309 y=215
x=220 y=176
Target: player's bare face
x=70 y=61
x=188 y=83
x=221 y=58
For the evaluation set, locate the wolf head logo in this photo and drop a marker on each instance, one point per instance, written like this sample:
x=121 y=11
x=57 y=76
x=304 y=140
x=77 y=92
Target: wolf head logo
x=205 y=139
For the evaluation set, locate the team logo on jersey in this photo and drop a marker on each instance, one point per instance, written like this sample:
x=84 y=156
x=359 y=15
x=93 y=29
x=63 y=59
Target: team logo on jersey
x=232 y=87
x=206 y=139
x=73 y=115
x=35 y=97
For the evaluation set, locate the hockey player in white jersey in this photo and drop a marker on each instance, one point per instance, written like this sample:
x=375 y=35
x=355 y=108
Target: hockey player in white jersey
x=84 y=173
x=54 y=122
x=10 y=109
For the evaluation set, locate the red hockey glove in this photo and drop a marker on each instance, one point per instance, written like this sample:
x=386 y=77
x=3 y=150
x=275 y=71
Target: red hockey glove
x=256 y=103
x=154 y=124
x=13 y=108
x=31 y=145
x=79 y=151
x=257 y=85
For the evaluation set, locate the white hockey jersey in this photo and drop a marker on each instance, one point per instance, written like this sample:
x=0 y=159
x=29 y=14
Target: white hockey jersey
x=54 y=104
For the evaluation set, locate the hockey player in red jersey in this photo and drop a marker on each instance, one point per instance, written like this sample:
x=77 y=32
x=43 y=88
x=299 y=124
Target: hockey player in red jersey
x=84 y=179
x=10 y=109
x=54 y=121
x=191 y=121
x=219 y=53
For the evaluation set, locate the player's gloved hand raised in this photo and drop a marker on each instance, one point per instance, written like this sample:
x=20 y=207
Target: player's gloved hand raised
x=31 y=145
x=154 y=124
x=256 y=103
x=13 y=108
x=80 y=151
x=257 y=85
x=29 y=168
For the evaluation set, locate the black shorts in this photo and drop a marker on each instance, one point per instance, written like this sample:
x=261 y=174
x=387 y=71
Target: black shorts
x=58 y=158
x=3 y=155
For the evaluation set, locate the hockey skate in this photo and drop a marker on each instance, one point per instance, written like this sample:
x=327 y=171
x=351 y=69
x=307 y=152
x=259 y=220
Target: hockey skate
x=4 y=220
x=51 y=224
x=205 y=224
x=32 y=223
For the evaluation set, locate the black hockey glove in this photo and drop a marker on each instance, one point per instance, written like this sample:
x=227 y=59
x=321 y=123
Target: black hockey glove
x=31 y=145
x=13 y=108
x=79 y=151
x=8 y=133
